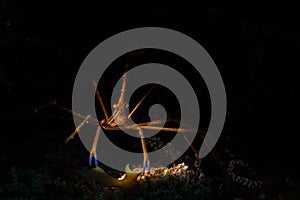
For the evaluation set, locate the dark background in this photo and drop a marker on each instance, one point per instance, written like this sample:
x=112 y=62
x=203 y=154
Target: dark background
x=256 y=49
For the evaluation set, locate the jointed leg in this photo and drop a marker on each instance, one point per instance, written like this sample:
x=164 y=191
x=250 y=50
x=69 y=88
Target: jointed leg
x=146 y=162
x=77 y=129
x=156 y=122
x=100 y=101
x=93 y=155
x=55 y=104
x=183 y=131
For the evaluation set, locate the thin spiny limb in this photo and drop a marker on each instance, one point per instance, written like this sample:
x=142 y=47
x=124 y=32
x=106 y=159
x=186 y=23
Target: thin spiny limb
x=77 y=129
x=183 y=131
x=196 y=154
x=55 y=104
x=100 y=101
x=150 y=123
x=93 y=155
x=37 y=109
x=157 y=122
x=146 y=162
x=176 y=130
x=200 y=133
x=58 y=117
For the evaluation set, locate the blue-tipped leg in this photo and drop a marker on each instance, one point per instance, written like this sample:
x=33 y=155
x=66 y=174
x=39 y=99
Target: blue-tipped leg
x=144 y=168
x=92 y=158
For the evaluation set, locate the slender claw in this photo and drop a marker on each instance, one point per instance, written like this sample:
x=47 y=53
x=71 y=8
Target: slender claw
x=92 y=158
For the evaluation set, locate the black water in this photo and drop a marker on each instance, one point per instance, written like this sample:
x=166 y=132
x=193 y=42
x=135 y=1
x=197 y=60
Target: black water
x=256 y=50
